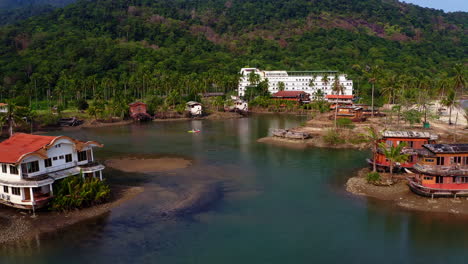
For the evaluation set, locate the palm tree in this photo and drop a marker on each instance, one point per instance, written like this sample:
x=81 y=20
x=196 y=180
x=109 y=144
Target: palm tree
x=253 y=78
x=373 y=73
x=337 y=89
x=281 y=86
x=459 y=80
x=373 y=137
x=449 y=101
x=12 y=116
x=394 y=154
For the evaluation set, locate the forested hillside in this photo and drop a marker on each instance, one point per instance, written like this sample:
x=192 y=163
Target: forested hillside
x=12 y=11
x=144 y=47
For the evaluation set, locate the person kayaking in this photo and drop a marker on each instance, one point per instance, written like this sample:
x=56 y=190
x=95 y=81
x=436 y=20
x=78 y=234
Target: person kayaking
x=194 y=131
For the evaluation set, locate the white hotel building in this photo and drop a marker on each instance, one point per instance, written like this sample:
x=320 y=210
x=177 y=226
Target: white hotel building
x=297 y=81
x=31 y=164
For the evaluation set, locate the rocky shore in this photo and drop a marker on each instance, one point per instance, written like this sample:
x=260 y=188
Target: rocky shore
x=400 y=195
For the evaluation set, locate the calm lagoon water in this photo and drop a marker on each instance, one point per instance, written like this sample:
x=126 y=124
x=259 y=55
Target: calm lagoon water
x=280 y=205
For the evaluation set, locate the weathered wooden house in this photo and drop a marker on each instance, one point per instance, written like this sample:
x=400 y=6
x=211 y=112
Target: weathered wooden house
x=442 y=170
x=340 y=99
x=414 y=141
x=138 y=111
x=349 y=112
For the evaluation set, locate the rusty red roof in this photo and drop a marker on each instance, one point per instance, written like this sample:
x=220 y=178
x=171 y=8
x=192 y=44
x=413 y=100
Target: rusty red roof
x=339 y=96
x=12 y=149
x=288 y=93
x=136 y=103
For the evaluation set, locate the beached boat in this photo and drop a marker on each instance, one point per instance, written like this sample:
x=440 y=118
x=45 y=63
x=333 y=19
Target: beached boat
x=285 y=133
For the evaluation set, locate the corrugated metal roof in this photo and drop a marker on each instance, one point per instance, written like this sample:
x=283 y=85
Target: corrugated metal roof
x=409 y=134
x=448 y=148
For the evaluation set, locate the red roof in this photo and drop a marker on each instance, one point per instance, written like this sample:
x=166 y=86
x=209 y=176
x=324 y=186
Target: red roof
x=339 y=96
x=12 y=149
x=136 y=104
x=288 y=93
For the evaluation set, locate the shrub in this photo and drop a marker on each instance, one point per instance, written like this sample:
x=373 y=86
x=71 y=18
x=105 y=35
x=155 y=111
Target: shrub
x=82 y=104
x=332 y=137
x=48 y=119
x=345 y=123
x=373 y=177
x=76 y=192
x=412 y=116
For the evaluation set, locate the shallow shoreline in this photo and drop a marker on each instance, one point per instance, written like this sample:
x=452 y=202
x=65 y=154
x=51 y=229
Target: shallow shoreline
x=148 y=164
x=20 y=225
x=401 y=195
x=316 y=141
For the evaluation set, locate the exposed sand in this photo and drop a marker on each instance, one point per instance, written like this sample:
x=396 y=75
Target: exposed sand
x=145 y=165
x=21 y=225
x=401 y=195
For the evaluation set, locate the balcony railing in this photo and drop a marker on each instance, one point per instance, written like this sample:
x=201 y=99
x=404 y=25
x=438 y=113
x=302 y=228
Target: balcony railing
x=43 y=173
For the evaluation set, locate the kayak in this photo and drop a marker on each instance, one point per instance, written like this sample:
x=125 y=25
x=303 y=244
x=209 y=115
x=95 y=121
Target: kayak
x=194 y=131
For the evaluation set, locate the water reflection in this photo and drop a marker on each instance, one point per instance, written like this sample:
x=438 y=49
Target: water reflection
x=280 y=205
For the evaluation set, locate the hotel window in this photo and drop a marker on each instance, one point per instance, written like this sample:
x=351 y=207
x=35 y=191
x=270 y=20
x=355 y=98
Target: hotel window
x=48 y=162
x=32 y=166
x=55 y=158
x=13 y=169
x=82 y=155
x=427 y=178
x=5 y=189
x=439 y=179
x=410 y=144
x=58 y=145
x=68 y=158
x=15 y=190
x=61 y=157
x=4 y=168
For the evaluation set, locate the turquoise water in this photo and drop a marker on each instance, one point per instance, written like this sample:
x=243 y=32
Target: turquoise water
x=280 y=205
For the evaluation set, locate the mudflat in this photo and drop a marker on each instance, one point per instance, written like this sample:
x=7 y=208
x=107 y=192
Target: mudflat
x=146 y=165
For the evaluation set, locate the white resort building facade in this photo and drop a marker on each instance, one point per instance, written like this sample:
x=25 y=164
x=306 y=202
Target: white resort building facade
x=31 y=164
x=307 y=81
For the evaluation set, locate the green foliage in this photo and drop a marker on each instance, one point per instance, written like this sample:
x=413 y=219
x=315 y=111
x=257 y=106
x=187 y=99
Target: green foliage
x=332 y=137
x=146 y=48
x=262 y=101
x=82 y=104
x=153 y=103
x=394 y=154
x=413 y=116
x=48 y=119
x=373 y=177
x=252 y=91
x=218 y=102
x=345 y=123
x=77 y=192
x=320 y=105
